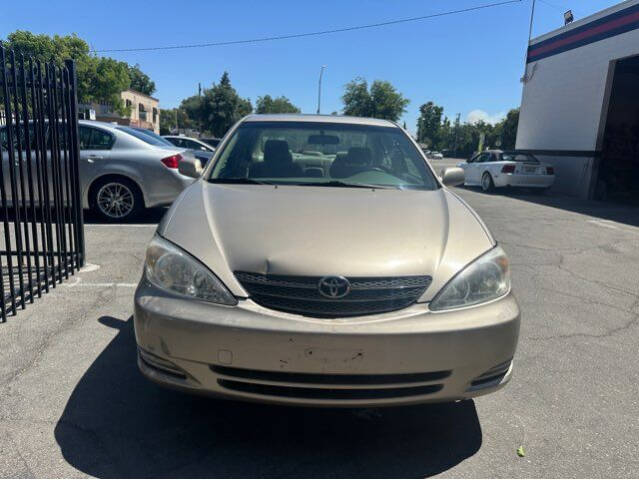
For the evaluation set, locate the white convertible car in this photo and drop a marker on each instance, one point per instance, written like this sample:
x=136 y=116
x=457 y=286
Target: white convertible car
x=496 y=168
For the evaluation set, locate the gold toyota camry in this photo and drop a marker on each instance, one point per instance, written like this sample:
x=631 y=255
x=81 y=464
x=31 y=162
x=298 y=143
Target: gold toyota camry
x=319 y=260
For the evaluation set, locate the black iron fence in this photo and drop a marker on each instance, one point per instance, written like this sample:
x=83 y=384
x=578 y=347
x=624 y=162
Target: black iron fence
x=42 y=241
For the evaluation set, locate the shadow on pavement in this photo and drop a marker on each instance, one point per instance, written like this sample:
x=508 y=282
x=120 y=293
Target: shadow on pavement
x=149 y=215
x=117 y=424
x=616 y=212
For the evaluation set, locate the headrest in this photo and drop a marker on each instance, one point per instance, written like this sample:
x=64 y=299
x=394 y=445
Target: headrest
x=277 y=151
x=360 y=156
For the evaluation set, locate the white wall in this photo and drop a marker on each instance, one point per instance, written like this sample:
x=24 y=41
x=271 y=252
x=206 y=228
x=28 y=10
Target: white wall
x=563 y=99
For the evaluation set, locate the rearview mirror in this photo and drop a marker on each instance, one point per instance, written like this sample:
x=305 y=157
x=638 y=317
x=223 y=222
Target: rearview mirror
x=453 y=176
x=190 y=167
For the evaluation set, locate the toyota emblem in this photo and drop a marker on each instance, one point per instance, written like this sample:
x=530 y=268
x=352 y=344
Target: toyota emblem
x=334 y=287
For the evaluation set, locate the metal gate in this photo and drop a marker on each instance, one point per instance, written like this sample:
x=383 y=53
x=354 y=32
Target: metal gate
x=42 y=241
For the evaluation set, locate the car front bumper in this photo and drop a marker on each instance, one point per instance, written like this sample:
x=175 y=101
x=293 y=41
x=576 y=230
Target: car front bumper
x=252 y=353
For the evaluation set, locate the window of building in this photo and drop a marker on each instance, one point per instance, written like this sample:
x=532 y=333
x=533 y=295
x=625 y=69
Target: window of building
x=142 y=112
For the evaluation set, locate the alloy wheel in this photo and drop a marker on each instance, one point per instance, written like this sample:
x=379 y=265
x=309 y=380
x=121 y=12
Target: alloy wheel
x=115 y=200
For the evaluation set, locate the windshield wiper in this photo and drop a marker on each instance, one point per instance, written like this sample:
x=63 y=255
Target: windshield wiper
x=238 y=181
x=338 y=183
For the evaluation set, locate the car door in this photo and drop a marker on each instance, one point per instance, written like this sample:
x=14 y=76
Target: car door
x=95 y=151
x=17 y=156
x=474 y=169
x=488 y=164
x=466 y=167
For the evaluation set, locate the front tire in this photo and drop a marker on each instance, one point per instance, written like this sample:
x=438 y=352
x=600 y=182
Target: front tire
x=487 y=184
x=116 y=199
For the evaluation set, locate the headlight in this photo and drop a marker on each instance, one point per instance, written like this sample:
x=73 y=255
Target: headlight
x=172 y=269
x=485 y=279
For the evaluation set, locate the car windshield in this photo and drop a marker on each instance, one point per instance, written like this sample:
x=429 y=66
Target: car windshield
x=322 y=154
x=147 y=136
x=518 y=157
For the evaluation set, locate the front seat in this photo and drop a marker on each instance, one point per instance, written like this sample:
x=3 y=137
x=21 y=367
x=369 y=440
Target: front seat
x=358 y=159
x=278 y=162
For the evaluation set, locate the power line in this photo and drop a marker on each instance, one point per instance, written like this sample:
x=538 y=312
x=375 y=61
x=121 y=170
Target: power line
x=311 y=34
x=557 y=7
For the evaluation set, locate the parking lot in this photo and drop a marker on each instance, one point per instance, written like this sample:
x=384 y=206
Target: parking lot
x=73 y=403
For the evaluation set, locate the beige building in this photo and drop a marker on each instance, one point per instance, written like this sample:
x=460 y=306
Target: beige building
x=145 y=111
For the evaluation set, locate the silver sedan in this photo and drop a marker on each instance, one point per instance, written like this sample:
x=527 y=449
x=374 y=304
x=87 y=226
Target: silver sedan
x=122 y=170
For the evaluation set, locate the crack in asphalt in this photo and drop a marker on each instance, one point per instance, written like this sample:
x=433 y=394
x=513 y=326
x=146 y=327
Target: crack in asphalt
x=15 y=448
x=608 y=333
x=44 y=345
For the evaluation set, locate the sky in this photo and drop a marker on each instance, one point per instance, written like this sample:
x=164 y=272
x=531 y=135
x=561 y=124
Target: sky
x=469 y=63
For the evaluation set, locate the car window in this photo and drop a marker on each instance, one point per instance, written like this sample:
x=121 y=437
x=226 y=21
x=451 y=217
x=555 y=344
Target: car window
x=194 y=145
x=149 y=138
x=4 y=141
x=317 y=154
x=94 y=139
x=176 y=141
x=518 y=157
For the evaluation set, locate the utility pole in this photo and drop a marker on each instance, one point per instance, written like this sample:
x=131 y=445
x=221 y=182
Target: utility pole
x=319 y=89
x=199 y=89
x=456 y=132
x=530 y=29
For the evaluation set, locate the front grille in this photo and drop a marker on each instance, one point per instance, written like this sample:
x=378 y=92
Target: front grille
x=301 y=295
x=328 y=393
x=328 y=378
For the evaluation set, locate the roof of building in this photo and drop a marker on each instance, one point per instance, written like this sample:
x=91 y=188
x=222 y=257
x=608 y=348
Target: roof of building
x=615 y=20
x=140 y=93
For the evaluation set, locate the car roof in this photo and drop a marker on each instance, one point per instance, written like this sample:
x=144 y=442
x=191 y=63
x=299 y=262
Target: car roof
x=310 y=118
x=95 y=123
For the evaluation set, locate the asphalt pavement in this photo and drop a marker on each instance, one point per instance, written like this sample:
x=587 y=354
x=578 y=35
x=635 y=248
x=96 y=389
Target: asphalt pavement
x=72 y=403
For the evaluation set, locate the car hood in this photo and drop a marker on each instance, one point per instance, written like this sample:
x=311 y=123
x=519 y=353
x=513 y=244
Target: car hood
x=318 y=231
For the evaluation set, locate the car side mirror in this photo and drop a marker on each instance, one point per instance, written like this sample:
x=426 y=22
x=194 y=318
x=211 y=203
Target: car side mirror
x=190 y=167
x=451 y=177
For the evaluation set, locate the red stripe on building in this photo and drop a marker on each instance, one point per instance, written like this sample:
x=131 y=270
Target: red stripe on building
x=591 y=32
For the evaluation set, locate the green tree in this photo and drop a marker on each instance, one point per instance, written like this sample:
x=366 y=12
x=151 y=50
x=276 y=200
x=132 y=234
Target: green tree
x=140 y=81
x=382 y=101
x=266 y=104
x=108 y=78
x=388 y=103
x=429 y=124
x=222 y=107
x=173 y=118
x=193 y=109
x=100 y=79
x=357 y=99
x=506 y=130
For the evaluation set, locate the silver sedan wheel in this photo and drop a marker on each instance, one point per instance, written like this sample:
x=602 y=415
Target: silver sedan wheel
x=115 y=200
